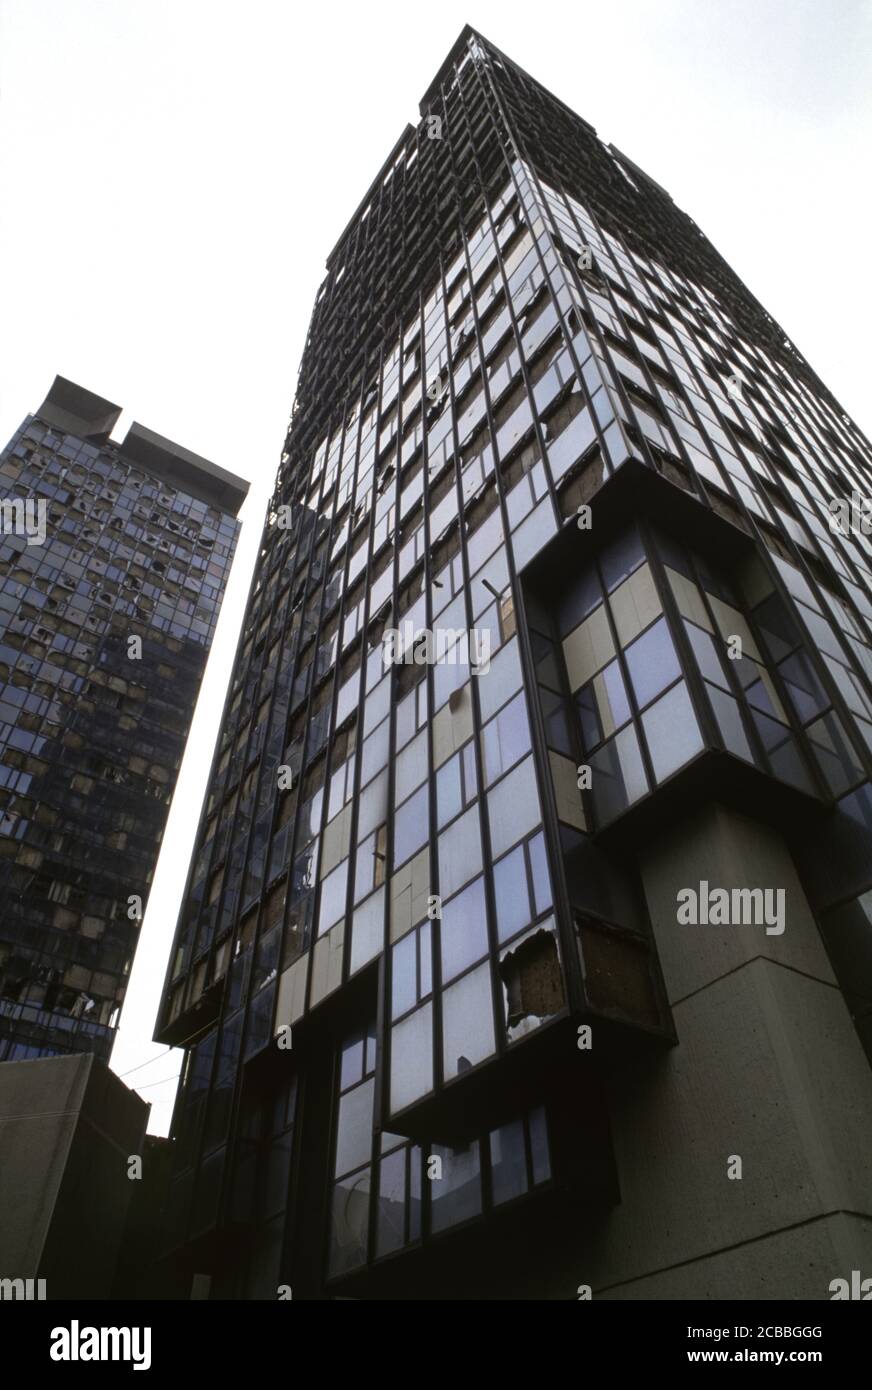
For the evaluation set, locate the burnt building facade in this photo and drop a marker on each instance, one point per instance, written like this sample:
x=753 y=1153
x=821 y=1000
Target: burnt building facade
x=113 y=562
x=526 y=946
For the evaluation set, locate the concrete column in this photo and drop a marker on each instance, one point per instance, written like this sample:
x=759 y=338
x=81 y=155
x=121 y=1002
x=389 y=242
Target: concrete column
x=768 y=1070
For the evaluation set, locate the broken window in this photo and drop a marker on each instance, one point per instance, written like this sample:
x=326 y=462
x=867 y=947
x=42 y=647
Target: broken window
x=532 y=981
x=617 y=971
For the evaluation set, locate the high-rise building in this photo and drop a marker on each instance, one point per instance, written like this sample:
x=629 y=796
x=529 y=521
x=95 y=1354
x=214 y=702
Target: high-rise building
x=527 y=946
x=113 y=562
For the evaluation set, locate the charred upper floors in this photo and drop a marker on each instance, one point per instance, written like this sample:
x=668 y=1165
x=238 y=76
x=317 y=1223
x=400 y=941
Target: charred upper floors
x=107 y=609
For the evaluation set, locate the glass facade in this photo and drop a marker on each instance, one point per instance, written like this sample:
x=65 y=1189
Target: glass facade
x=113 y=561
x=542 y=431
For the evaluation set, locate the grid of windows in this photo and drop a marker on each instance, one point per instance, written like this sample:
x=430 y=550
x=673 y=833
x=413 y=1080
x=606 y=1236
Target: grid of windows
x=515 y=325
x=105 y=624
x=393 y=1194
x=612 y=674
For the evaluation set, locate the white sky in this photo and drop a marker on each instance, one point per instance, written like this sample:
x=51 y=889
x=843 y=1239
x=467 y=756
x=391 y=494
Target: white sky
x=174 y=173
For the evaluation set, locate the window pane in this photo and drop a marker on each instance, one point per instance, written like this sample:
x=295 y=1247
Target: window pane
x=556 y=724
x=354 y=1130
x=412 y=1058
x=541 y=877
x=834 y=753
x=352 y=1062
x=621 y=557
x=448 y=794
x=706 y=655
x=371 y=1049
x=349 y=1225
x=506 y=738
x=391 y=1202
x=617 y=775
x=588 y=714
x=333 y=889
x=612 y=698
x=470 y=776
x=508 y=1162
x=502 y=680
x=411 y=826
x=652 y=662
x=729 y=722
x=459 y=852
x=512 y=894
x=545 y=659
x=583 y=595
x=513 y=807
x=451 y=673
x=776 y=627
x=671 y=731
x=457 y=1195
x=782 y=752
x=467 y=1022
x=759 y=690
x=365 y=868
x=416 y=1165
x=375 y=752
x=411 y=766
x=425 y=960
x=803 y=686
x=404 y=985
x=463 y=930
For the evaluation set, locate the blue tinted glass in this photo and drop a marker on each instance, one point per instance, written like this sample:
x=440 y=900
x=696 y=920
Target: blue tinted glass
x=425 y=960
x=541 y=878
x=403 y=981
x=411 y=826
x=448 y=799
x=463 y=930
x=652 y=662
x=588 y=715
x=556 y=723
x=512 y=894
x=672 y=732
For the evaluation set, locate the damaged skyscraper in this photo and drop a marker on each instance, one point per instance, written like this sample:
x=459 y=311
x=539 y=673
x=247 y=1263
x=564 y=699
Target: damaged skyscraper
x=113 y=563
x=451 y=1027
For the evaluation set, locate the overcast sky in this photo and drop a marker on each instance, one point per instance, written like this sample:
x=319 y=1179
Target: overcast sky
x=174 y=173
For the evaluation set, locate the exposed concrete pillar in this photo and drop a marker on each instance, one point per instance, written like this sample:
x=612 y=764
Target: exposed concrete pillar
x=768 y=1069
